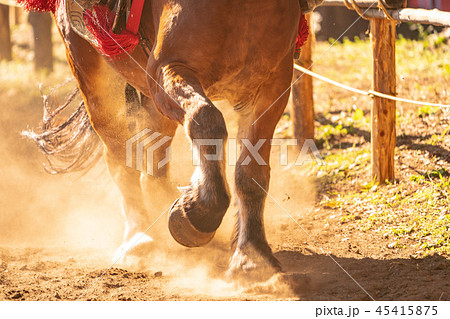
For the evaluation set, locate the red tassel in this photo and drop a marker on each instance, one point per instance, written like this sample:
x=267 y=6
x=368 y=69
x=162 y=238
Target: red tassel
x=39 y=5
x=303 y=33
x=99 y=22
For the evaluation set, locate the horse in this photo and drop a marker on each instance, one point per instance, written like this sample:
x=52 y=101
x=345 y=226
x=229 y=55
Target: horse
x=197 y=52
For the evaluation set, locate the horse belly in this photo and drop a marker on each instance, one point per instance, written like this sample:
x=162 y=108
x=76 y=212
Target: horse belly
x=233 y=46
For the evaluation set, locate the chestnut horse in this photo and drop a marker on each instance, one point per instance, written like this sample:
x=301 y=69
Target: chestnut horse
x=201 y=51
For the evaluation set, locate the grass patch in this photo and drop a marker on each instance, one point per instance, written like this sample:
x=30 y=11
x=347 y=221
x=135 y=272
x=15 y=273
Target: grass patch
x=340 y=163
x=336 y=126
x=411 y=213
x=421 y=216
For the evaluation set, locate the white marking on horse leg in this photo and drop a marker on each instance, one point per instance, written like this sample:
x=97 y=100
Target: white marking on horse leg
x=137 y=241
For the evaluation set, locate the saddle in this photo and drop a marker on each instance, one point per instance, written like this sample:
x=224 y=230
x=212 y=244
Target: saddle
x=77 y=9
x=112 y=26
x=75 y=12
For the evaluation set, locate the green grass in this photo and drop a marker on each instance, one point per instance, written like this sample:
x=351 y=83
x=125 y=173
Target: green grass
x=421 y=216
x=427 y=110
x=342 y=124
x=345 y=160
x=408 y=212
x=419 y=64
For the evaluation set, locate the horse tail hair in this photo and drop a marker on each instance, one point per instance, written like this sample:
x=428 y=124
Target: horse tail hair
x=70 y=144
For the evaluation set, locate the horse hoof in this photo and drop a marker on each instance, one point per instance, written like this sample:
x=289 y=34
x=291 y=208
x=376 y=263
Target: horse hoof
x=139 y=245
x=183 y=231
x=248 y=265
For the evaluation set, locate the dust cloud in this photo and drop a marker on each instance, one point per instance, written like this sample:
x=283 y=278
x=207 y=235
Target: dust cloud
x=82 y=213
x=39 y=209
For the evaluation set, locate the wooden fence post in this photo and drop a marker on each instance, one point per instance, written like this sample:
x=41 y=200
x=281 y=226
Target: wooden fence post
x=42 y=30
x=302 y=94
x=5 y=37
x=383 y=134
x=17 y=15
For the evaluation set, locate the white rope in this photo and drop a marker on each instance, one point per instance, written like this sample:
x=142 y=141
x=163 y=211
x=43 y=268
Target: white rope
x=370 y=93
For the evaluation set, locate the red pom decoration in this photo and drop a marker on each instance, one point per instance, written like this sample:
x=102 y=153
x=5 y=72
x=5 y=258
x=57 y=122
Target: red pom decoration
x=303 y=33
x=39 y=5
x=99 y=22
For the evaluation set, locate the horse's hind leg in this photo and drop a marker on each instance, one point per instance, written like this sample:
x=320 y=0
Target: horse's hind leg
x=253 y=257
x=104 y=93
x=153 y=193
x=195 y=217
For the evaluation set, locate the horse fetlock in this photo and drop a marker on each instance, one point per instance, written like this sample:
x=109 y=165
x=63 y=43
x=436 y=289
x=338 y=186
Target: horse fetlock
x=207 y=122
x=253 y=262
x=205 y=204
x=206 y=212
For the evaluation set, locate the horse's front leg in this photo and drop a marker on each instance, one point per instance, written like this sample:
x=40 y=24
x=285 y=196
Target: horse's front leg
x=197 y=214
x=253 y=258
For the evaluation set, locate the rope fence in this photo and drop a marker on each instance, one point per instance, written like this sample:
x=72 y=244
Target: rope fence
x=370 y=93
x=383 y=16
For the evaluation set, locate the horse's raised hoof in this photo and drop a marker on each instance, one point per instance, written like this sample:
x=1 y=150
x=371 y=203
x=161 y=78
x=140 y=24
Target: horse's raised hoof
x=182 y=229
x=250 y=265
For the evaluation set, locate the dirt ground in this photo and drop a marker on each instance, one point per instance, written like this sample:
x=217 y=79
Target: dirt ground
x=59 y=274
x=52 y=274
x=58 y=233
x=56 y=259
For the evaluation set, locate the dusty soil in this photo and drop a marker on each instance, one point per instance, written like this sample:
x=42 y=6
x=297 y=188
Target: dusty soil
x=58 y=233
x=324 y=257
x=57 y=274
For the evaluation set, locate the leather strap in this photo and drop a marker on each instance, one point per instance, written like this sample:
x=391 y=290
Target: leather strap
x=134 y=19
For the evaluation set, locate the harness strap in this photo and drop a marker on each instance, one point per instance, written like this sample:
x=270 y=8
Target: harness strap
x=134 y=19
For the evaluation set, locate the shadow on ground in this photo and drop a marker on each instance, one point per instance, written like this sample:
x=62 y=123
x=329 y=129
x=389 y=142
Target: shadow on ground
x=393 y=279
